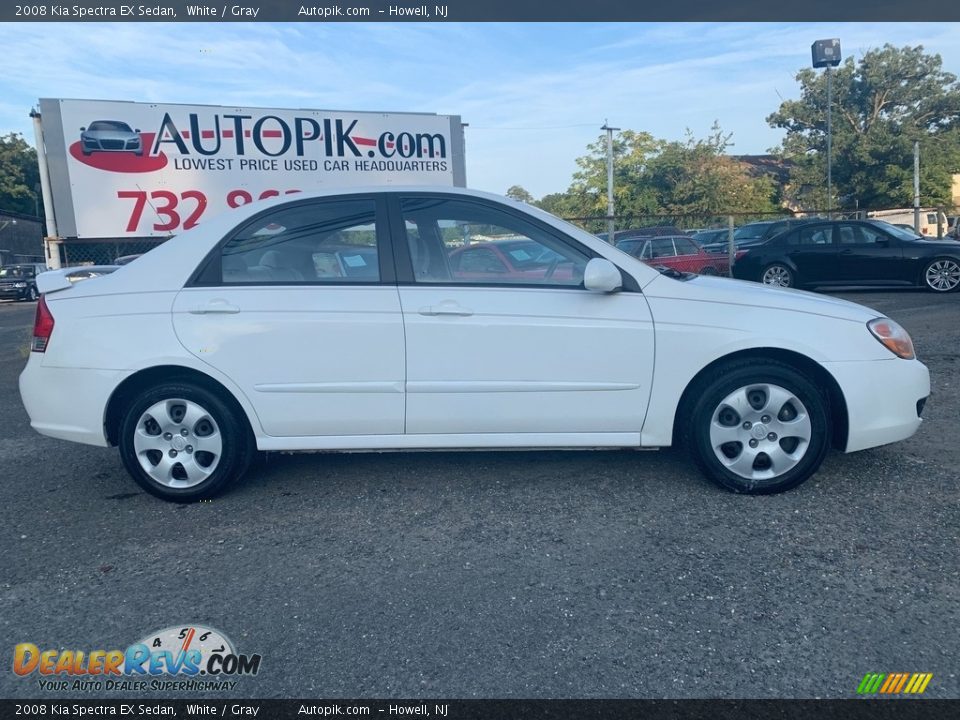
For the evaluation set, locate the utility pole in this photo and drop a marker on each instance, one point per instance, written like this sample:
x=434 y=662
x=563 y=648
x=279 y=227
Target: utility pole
x=826 y=54
x=829 y=143
x=916 y=186
x=610 y=208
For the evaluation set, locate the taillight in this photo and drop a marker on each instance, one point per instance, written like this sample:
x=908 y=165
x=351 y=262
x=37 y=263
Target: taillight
x=42 y=326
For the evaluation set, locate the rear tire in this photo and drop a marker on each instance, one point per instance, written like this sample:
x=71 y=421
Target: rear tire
x=181 y=442
x=708 y=271
x=758 y=427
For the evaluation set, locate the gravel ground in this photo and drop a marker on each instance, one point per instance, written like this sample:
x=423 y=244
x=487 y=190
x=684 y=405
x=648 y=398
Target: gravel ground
x=538 y=574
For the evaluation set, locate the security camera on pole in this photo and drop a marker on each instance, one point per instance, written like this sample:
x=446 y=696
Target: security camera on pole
x=826 y=54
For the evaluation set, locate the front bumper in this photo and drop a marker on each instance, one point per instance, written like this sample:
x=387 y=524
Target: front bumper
x=883 y=399
x=68 y=403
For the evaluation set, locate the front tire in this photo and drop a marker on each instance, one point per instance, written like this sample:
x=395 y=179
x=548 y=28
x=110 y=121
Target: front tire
x=778 y=275
x=758 y=427
x=182 y=442
x=942 y=275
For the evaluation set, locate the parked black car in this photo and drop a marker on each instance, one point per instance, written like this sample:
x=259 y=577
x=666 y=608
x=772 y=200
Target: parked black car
x=18 y=282
x=852 y=252
x=755 y=233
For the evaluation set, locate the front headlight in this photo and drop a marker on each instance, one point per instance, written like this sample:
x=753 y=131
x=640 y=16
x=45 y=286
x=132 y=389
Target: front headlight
x=893 y=337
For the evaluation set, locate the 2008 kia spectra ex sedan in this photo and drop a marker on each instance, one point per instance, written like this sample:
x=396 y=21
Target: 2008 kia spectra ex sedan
x=337 y=321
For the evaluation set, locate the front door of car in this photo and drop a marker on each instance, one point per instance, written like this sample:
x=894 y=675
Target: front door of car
x=300 y=308
x=867 y=254
x=524 y=351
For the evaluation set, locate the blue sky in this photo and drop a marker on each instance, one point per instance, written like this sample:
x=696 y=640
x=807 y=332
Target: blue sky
x=534 y=94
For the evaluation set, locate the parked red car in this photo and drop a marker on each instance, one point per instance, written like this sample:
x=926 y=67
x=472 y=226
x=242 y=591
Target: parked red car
x=513 y=259
x=678 y=252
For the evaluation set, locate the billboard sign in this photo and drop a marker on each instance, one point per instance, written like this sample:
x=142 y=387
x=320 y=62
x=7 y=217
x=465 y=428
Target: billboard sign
x=124 y=169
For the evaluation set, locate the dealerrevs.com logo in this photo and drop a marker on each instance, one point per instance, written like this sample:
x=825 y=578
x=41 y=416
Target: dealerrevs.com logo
x=181 y=657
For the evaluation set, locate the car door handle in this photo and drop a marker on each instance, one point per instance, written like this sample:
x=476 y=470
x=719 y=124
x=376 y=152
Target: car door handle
x=446 y=309
x=215 y=307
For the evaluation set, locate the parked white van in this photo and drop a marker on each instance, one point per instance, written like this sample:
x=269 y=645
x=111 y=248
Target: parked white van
x=929 y=217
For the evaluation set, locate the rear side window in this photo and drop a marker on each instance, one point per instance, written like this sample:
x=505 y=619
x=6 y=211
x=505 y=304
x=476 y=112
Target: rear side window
x=324 y=242
x=810 y=236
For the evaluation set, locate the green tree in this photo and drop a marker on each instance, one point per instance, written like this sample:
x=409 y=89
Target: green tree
x=881 y=105
x=19 y=175
x=519 y=194
x=697 y=177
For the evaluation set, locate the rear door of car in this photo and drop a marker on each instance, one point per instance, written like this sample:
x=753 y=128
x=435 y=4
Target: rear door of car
x=811 y=249
x=508 y=359
x=300 y=308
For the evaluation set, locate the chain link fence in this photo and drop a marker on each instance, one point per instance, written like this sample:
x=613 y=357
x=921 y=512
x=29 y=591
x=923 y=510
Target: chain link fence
x=75 y=252
x=21 y=238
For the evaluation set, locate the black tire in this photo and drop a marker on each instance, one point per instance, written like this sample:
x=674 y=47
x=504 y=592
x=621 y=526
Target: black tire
x=236 y=441
x=787 y=277
x=750 y=376
x=32 y=293
x=944 y=281
x=708 y=271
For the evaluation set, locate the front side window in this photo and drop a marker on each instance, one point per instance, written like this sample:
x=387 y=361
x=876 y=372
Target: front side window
x=461 y=241
x=859 y=235
x=324 y=242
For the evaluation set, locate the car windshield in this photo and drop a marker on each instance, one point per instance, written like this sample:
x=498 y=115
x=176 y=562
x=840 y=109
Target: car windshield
x=752 y=231
x=898 y=232
x=13 y=271
x=109 y=125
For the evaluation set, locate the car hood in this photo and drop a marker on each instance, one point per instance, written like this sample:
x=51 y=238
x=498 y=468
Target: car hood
x=713 y=289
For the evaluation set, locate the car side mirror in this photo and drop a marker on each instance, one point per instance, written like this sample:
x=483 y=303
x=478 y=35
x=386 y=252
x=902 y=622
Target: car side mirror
x=602 y=276
x=137 y=130
x=83 y=129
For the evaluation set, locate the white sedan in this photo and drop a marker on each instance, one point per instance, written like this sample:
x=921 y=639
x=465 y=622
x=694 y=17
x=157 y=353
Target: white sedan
x=437 y=318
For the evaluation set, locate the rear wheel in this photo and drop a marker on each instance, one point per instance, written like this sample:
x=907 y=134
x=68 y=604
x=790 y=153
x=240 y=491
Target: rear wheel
x=758 y=427
x=942 y=275
x=181 y=442
x=708 y=271
x=778 y=275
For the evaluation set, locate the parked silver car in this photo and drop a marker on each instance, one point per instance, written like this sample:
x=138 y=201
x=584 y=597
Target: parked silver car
x=110 y=136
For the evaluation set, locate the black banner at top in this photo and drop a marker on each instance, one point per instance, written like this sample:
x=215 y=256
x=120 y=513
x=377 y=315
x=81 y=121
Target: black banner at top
x=481 y=11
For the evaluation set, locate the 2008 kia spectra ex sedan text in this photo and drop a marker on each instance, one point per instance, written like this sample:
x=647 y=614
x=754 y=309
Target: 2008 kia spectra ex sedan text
x=354 y=321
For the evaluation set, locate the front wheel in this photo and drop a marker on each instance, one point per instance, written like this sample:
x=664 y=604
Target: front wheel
x=942 y=275
x=778 y=275
x=759 y=428
x=181 y=442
